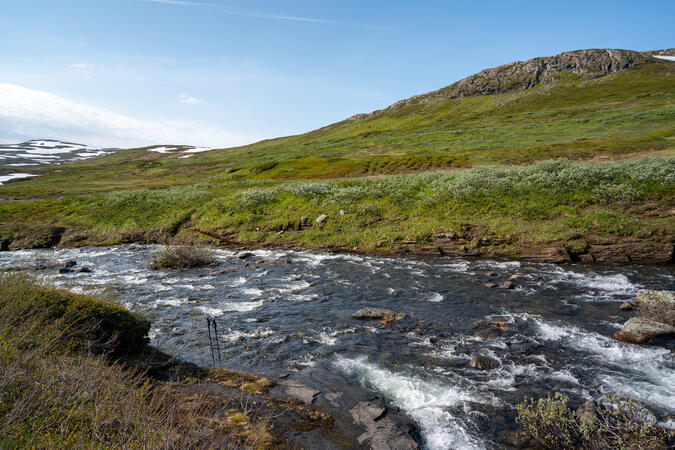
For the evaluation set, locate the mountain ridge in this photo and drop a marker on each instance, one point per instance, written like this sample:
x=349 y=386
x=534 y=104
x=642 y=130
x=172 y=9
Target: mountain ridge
x=521 y=75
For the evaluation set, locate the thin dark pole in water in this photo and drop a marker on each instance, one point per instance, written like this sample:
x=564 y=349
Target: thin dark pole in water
x=208 y=327
x=215 y=331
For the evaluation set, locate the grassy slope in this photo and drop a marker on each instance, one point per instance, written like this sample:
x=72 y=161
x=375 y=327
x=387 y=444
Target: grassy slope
x=627 y=114
x=76 y=372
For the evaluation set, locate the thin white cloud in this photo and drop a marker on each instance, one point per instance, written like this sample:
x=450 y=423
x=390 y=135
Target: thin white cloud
x=30 y=114
x=85 y=68
x=189 y=100
x=231 y=12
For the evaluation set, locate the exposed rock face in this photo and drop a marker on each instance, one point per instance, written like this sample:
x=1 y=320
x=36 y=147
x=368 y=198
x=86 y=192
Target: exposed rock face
x=639 y=330
x=520 y=75
x=545 y=254
x=386 y=315
x=359 y=416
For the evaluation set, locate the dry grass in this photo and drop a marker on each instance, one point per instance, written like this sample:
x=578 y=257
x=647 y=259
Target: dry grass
x=56 y=393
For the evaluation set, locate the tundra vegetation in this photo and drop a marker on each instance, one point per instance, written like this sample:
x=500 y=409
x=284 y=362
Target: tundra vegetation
x=569 y=162
x=615 y=423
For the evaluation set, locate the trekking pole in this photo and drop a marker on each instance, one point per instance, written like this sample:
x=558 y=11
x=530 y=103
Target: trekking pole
x=208 y=327
x=215 y=331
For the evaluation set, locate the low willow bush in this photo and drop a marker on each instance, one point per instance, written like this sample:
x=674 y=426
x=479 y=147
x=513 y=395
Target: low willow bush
x=621 y=182
x=181 y=257
x=54 y=394
x=617 y=423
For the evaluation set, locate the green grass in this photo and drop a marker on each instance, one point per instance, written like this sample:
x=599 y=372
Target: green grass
x=389 y=175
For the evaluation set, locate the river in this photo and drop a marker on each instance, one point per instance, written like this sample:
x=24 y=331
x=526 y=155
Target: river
x=291 y=309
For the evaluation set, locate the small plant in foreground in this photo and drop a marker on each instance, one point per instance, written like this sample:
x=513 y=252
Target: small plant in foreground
x=615 y=423
x=180 y=257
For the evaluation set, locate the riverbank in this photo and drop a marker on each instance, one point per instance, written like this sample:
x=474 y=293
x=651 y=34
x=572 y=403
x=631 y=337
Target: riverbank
x=553 y=211
x=78 y=371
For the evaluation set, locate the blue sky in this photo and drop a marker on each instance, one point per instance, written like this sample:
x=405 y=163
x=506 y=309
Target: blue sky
x=220 y=73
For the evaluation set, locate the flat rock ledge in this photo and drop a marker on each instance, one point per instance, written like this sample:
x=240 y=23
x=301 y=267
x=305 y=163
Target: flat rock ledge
x=639 y=330
x=361 y=419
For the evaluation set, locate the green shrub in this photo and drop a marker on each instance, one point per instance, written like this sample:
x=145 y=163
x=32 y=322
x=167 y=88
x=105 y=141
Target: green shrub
x=616 y=423
x=180 y=257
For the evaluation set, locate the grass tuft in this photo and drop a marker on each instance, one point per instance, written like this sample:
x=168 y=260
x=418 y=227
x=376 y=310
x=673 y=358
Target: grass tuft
x=181 y=257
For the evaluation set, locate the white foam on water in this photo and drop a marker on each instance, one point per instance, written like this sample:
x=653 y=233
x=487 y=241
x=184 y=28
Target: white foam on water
x=229 y=307
x=330 y=338
x=501 y=265
x=644 y=373
x=427 y=402
x=435 y=297
x=300 y=297
x=326 y=339
x=235 y=335
x=238 y=281
x=605 y=286
x=459 y=266
x=254 y=292
x=171 y=301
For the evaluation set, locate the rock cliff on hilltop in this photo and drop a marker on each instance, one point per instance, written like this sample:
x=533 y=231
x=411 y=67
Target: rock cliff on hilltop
x=520 y=75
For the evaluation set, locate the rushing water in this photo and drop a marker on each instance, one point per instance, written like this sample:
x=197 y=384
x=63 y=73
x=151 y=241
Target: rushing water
x=294 y=309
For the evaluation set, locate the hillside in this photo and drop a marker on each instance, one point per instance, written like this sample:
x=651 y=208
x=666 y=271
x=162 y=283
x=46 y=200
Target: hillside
x=587 y=105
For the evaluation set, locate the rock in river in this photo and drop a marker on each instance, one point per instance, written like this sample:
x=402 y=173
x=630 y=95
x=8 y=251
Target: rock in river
x=639 y=330
x=386 y=315
x=479 y=362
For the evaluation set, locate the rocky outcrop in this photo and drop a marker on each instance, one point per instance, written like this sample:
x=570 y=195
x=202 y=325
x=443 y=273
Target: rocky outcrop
x=657 y=318
x=360 y=418
x=520 y=75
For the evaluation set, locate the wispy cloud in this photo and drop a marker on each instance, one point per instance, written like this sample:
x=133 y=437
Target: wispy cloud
x=189 y=100
x=85 y=68
x=30 y=114
x=232 y=12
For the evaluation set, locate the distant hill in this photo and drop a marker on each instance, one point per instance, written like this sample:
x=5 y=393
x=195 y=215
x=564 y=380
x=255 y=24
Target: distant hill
x=46 y=151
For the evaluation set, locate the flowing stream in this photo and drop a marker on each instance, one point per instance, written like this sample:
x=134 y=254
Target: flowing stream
x=291 y=309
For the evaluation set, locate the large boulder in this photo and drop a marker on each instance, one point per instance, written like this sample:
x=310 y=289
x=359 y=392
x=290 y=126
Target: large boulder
x=640 y=330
